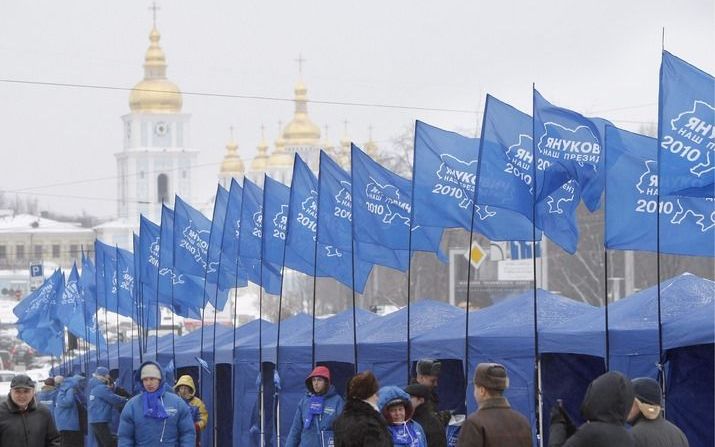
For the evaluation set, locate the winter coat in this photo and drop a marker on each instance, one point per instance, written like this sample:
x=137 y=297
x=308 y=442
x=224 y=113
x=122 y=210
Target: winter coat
x=607 y=402
x=137 y=430
x=31 y=428
x=100 y=402
x=199 y=414
x=434 y=430
x=46 y=396
x=66 y=411
x=657 y=433
x=361 y=426
x=311 y=436
x=407 y=433
x=495 y=424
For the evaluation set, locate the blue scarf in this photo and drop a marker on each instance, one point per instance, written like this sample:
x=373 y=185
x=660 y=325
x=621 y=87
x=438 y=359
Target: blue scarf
x=403 y=433
x=153 y=406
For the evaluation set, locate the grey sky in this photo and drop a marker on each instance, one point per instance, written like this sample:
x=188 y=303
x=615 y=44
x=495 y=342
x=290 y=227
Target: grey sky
x=597 y=57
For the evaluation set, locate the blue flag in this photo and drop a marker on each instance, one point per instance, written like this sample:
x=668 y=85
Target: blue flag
x=556 y=216
x=506 y=157
x=125 y=283
x=106 y=261
x=36 y=317
x=275 y=224
x=182 y=291
x=445 y=176
x=251 y=235
x=382 y=211
x=230 y=275
x=88 y=294
x=144 y=297
x=686 y=129
x=214 y=256
x=334 y=233
x=149 y=245
x=192 y=234
x=569 y=147
x=687 y=224
x=70 y=309
x=303 y=224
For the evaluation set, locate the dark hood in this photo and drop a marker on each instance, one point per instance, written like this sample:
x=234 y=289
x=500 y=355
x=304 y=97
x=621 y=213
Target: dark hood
x=608 y=399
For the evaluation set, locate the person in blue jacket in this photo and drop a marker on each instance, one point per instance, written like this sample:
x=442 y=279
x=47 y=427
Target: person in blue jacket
x=67 y=412
x=101 y=401
x=47 y=395
x=156 y=416
x=396 y=408
x=312 y=424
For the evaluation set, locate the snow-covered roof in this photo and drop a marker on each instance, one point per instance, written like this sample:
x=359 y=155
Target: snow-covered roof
x=27 y=223
x=115 y=224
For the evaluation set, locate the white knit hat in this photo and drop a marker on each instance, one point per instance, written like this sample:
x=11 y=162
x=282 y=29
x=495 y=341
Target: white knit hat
x=150 y=370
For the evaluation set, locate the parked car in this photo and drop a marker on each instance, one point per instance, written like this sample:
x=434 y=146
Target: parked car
x=5 y=379
x=22 y=354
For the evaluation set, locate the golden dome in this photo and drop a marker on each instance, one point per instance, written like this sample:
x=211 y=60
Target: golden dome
x=370 y=147
x=232 y=165
x=260 y=161
x=301 y=130
x=155 y=93
x=280 y=159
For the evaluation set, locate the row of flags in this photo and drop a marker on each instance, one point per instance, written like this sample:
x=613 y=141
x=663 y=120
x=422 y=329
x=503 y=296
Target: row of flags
x=523 y=177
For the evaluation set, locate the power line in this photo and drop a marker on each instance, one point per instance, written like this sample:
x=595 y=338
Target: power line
x=238 y=96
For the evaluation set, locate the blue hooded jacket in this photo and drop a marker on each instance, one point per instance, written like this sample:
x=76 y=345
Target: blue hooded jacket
x=137 y=430
x=408 y=433
x=66 y=411
x=308 y=434
x=47 y=397
x=100 y=402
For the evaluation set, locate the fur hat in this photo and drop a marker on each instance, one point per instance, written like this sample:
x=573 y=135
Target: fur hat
x=418 y=390
x=362 y=386
x=428 y=367
x=150 y=370
x=492 y=376
x=648 y=397
x=50 y=381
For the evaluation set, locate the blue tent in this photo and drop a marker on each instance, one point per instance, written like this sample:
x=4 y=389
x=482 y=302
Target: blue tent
x=504 y=333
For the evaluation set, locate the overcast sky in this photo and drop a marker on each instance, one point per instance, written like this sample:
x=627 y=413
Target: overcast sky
x=598 y=57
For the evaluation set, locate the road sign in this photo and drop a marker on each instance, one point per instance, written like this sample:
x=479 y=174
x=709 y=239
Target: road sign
x=477 y=255
x=35 y=270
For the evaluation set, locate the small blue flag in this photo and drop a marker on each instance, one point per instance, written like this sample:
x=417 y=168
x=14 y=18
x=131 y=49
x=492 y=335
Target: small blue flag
x=687 y=224
x=230 y=275
x=275 y=224
x=125 y=283
x=686 y=129
x=334 y=233
x=569 y=147
x=300 y=243
x=88 y=292
x=214 y=293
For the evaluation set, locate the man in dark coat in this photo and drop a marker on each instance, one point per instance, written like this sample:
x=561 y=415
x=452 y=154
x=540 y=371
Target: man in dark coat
x=361 y=424
x=605 y=407
x=427 y=373
x=423 y=415
x=494 y=424
x=650 y=429
x=23 y=421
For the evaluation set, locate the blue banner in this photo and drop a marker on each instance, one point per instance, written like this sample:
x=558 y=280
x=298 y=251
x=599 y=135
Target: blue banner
x=686 y=129
x=303 y=224
x=214 y=256
x=70 y=304
x=144 y=297
x=687 y=224
x=276 y=196
x=184 y=293
x=507 y=156
x=88 y=293
x=556 y=216
x=230 y=275
x=445 y=176
x=36 y=317
x=569 y=147
x=125 y=283
x=334 y=233
x=106 y=261
x=382 y=212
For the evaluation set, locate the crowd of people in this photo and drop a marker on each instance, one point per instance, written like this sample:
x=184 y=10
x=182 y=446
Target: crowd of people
x=618 y=412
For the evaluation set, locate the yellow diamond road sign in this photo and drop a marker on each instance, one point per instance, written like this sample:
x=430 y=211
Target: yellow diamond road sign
x=476 y=255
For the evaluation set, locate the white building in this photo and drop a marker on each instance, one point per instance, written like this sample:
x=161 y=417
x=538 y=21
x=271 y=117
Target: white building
x=156 y=159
